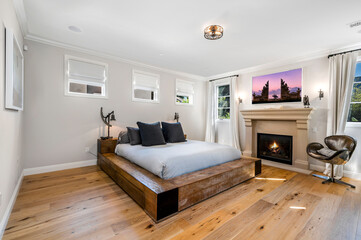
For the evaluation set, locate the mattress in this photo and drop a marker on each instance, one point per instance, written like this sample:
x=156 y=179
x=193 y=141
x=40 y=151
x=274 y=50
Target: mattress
x=175 y=159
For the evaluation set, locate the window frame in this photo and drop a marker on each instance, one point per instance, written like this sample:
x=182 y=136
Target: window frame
x=157 y=93
x=190 y=96
x=67 y=79
x=354 y=124
x=220 y=84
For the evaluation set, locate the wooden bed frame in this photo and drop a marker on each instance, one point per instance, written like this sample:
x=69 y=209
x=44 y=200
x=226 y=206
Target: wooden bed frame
x=162 y=198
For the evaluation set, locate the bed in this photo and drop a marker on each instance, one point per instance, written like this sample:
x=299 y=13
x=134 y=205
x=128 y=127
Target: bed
x=164 y=180
x=175 y=159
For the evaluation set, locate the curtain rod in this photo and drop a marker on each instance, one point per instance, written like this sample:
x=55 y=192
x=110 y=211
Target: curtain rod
x=331 y=55
x=236 y=75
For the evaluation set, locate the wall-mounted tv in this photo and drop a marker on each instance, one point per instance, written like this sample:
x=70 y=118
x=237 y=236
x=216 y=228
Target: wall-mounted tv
x=278 y=87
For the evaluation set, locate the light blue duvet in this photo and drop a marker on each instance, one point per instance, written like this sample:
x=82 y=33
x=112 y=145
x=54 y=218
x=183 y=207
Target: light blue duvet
x=175 y=159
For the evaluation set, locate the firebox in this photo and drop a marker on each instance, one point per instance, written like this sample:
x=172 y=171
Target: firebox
x=273 y=147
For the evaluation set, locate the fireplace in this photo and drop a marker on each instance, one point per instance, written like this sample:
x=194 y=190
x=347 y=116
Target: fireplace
x=273 y=147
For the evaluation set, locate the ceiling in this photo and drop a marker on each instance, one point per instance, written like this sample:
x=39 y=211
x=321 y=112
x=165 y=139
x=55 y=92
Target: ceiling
x=169 y=34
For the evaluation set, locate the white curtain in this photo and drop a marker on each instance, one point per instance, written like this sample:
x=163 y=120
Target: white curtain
x=234 y=113
x=211 y=113
x=342 y=73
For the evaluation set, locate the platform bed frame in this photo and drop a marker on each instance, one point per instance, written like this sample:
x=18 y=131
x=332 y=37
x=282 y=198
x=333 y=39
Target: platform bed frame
x=162 y=198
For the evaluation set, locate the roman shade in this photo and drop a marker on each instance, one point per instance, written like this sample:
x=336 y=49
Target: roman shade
x=184 y=87
x=86 y=71
x=146 y=81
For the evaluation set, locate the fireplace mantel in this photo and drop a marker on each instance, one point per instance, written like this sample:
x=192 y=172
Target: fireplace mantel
x=277 y=114
x=275 y=118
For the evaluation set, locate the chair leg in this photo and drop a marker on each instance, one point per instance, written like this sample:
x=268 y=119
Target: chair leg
x=332 y=179
x=328 y=180
x=345 y=183
x=320 y=176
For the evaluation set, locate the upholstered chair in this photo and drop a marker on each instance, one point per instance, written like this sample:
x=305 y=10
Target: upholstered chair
x=338 y=152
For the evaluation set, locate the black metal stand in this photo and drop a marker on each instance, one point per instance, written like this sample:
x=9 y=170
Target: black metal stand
x=332 y=179
x=106 y=119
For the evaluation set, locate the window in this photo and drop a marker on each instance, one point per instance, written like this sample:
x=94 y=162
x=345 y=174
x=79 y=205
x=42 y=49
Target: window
x=184 y=92
x=355 y=106
x=223 y=101
x=85 y=78
x=145 y=87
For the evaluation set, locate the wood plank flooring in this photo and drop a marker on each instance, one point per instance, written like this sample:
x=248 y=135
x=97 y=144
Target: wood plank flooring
x=84 y=203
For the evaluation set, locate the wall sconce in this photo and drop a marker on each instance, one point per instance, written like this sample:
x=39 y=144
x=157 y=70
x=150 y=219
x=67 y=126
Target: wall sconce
x=320 y=94
x=239 y=100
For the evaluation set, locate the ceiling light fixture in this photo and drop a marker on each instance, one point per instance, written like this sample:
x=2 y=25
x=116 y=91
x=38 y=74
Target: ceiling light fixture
x=74 y=29
x=213 y=32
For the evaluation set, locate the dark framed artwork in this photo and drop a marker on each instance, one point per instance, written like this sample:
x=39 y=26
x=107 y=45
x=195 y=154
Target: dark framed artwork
x=278 y=87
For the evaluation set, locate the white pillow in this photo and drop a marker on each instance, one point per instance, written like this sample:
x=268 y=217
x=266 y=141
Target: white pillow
x=326 y=152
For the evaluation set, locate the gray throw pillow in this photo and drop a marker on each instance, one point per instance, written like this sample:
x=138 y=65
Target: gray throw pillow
x=326 y=152
x=134 y=136
x=123 y=137
x=151 y=134
x=173 y=132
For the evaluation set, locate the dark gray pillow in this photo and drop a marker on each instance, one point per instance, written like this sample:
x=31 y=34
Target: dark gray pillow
x=123 y=137
x=134 y=136
x=151 y=134
x=173 y=132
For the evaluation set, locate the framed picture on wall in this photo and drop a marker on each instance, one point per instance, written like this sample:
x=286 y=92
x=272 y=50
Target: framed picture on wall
x=278 y=87
x=14 y=68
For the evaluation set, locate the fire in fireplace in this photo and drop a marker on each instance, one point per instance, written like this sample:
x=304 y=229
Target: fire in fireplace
x=273 y=147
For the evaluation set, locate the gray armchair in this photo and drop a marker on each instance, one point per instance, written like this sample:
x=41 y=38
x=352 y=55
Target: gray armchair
x=338 y=152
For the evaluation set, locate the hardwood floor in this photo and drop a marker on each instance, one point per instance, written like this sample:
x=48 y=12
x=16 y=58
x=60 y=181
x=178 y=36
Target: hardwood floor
x=84 y=203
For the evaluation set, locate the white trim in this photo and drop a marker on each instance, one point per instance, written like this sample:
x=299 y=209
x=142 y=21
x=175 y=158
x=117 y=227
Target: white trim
x=10 y=206
x=58 y=167
x=287 y=62
x=21 y=16
x=349 y=174
x=285 y=166
x=111 y=57
x=353 y=125
x=317 y=168
x=270 y=65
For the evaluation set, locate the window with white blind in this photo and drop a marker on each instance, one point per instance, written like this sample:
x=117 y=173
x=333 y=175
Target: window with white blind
x=85 y=78
x=145 y=87
x=184 y=92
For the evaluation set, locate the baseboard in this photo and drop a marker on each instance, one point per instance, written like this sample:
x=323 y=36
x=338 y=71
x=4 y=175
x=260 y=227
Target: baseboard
x=10 y=206
x=58 y=167
x=285 y=166
x=353 y=175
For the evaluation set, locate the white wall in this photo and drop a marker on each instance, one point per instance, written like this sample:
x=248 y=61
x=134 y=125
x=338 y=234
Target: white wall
x=315 y=76
x=58 y=127
x=11 y=122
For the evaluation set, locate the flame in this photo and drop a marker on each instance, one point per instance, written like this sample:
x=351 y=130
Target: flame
x=274 y=145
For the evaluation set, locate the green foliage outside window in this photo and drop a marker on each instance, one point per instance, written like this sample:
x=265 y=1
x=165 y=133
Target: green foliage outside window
x=355 y=106
x=224 y=102
x=182 y=99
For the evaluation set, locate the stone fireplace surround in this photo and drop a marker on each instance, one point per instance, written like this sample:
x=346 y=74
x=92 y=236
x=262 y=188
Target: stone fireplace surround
x=282 y=121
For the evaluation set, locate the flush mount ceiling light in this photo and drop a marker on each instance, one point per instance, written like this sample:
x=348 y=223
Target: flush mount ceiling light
x=74 y=29
x=213 y=32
